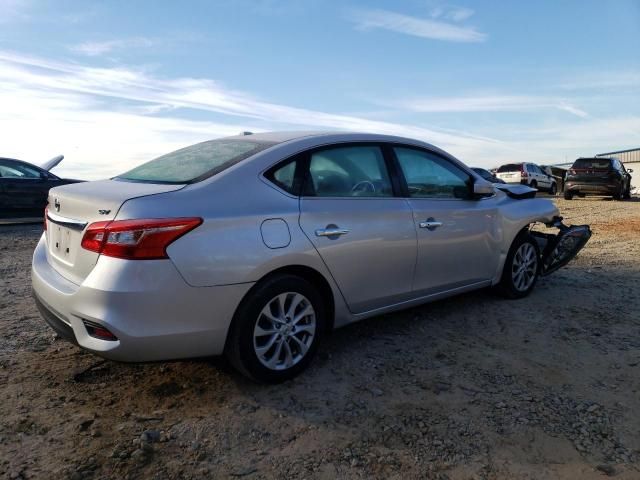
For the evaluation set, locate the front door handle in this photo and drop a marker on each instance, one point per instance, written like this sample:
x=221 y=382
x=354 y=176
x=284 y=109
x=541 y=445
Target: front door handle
x=331 y=232
x=430 y=224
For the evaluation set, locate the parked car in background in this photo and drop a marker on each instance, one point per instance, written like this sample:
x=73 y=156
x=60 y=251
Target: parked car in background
x=24 y=187
x=172 y=259
x=527 y=174
x=598 y=176
x=487 y=175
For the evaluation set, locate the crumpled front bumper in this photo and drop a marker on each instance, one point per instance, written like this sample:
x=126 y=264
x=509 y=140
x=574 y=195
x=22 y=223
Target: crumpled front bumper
x=558 y=249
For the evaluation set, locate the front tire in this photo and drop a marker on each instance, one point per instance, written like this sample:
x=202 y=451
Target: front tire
x=521 y=268
x=276 y=330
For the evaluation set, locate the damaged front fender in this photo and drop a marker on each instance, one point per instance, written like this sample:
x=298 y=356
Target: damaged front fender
x=560 y=248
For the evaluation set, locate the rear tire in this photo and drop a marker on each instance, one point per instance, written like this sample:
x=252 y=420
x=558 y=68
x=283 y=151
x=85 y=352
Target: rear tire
x=554 y=189
x=533 y=184
x=568 y=195
x=521 y=268
x=627 y=193
x=276 y=330
x=619 y=194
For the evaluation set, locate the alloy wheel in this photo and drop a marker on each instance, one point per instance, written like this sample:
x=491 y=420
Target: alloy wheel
x=284 y=331
x=524 y=267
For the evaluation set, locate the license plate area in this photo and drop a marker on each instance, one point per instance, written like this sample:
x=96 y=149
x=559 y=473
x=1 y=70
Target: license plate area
x=61 y=242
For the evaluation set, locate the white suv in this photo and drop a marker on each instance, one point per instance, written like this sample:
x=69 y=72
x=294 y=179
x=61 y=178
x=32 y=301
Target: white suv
x=527 y=174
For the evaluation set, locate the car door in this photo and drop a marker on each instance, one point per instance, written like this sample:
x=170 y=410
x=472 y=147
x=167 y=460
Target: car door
x=458 y=235
x=24 y=190
x=363 y=232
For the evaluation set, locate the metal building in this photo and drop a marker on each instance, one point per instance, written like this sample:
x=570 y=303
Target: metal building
x=630 y=158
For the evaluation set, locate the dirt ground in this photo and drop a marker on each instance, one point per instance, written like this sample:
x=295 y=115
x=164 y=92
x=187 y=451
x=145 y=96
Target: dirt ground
x=473 y=387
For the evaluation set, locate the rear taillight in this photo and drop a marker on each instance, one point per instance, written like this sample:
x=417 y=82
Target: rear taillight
x=145 y=239
x=523 y=172
x=44 y=225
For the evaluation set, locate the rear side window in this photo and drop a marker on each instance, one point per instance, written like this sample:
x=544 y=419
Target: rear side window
x=510 y=167
x=195 y=163
x=358 y=171
x=284 y=176
x=600 y=163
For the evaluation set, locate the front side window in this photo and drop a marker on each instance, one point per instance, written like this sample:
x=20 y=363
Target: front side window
x=18 y=170
x=356 y=171
x=196 y=162
x=430 y=176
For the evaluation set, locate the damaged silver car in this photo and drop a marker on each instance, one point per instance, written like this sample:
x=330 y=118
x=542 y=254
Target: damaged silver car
x=255 y=246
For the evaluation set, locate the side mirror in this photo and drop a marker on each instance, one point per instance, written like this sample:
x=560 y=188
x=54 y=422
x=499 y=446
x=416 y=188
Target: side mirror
x=629 y=170
x=483 y=189
x=44 y=176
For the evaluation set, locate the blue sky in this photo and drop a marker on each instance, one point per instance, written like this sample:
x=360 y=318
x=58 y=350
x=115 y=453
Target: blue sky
x=112 y=84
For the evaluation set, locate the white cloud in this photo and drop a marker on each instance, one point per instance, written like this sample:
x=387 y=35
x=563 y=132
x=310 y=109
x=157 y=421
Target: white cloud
x=107 y=120
x=71 y=109
x=490 y=103
x=459 y=14
x=418 y=27
x=605 y=81
x=93 y=49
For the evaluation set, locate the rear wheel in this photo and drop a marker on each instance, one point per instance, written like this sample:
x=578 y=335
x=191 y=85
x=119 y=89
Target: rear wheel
x=521 y=268
x=627 y=193
x=619 y=194
x=533 y=184
x=554 y=189
x=276 y=329
x=568 y=195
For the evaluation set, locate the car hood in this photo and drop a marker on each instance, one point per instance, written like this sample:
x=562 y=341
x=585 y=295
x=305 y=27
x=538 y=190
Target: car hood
x=519 y=192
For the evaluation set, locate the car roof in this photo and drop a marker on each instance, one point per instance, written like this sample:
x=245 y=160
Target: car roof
x=329 y=136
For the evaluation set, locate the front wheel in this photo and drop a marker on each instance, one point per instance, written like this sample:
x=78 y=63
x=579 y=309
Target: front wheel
x=276 y=329
x=521 y=268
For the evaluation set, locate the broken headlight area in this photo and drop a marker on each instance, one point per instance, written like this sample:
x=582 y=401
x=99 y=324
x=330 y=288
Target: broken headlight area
x=558 y=249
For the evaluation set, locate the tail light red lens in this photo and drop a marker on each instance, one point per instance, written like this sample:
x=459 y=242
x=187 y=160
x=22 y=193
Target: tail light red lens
x=523 y=172
x=144 y=239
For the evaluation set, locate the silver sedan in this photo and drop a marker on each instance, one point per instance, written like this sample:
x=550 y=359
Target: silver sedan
x=255 y=246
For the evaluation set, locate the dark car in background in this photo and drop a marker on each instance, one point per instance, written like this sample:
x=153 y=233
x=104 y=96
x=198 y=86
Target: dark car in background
x=24 y=188
x=598 y=176
x=487 y=175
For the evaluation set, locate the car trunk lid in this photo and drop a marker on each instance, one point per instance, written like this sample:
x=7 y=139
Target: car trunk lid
x=73 y=207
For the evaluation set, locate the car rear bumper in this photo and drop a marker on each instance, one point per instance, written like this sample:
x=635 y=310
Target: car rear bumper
x=602 y=188
x=151 y=310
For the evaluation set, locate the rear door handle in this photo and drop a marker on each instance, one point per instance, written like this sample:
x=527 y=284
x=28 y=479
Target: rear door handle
x=430 y=224
x=331 y=232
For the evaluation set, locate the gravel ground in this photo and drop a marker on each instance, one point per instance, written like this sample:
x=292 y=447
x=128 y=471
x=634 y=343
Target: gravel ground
x=470 y=387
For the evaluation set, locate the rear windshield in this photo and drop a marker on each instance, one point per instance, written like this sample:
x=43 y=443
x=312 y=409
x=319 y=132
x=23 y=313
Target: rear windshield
x=195 y=163
x=510 y=167
x=592 y=163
